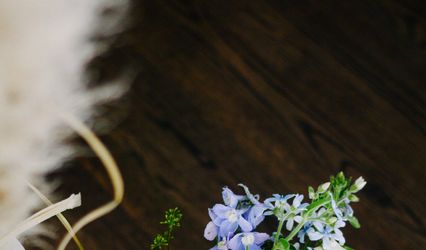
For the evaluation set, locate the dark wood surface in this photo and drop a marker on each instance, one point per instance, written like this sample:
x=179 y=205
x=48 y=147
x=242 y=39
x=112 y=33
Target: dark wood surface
x=274 y=94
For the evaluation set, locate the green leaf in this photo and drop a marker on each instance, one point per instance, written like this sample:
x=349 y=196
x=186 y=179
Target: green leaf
x=317 y=203
x=283 y=244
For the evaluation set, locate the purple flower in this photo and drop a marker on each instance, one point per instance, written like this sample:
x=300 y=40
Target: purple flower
x=250 y=241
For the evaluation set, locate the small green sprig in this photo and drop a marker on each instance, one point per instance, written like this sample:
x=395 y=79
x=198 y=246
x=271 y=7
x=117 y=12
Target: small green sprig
x=172 y=219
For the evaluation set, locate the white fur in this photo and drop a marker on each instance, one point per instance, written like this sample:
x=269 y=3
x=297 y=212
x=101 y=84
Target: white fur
x=44 y=46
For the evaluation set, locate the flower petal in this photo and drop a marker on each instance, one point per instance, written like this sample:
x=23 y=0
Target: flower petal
x=235 y=242
x=326 y=243
x=259 y=238
x=314 y=236
x=212 y=214
x=227 y=228
x=254 y=247
x=289 y=224
x=244 y=224
x=229 y=198
x=339 y=237
x=220 y=210
x=255 y=216
x=297 y=200
x=318 y=225
x=210 y=232
x=298 y=218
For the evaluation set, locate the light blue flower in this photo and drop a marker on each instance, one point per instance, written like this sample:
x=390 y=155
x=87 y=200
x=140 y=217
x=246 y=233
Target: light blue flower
x=294 y=210
x=327 y=234
x=229 y=198
x=228 y=219
x=250 y=241
x=342 y=213
x=336 y=209
x=277 y=205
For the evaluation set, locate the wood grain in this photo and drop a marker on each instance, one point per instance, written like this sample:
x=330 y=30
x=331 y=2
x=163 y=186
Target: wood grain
x=274 y=94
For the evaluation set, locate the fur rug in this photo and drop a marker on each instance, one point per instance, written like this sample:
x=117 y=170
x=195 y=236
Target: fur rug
x=44 y=48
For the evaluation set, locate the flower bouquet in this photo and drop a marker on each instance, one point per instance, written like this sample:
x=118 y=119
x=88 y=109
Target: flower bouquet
x=314 y=225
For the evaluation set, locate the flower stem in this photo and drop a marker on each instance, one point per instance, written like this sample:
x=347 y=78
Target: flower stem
x=295 y=230
x=277 y=235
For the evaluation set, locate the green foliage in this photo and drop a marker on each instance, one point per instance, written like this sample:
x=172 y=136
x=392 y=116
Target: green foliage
x=172 y=219
x=283 y=244
x=159 y=242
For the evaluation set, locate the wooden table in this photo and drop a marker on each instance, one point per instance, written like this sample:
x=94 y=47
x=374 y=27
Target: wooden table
x=274 y=94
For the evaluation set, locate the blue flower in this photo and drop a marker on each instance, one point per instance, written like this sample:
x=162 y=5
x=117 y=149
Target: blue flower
x=256 y=214
x=228 y=219
x=229 y=198
x=327 y=234
x=250 y=241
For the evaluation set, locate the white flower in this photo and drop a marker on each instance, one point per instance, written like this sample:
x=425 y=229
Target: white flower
x=294 y=210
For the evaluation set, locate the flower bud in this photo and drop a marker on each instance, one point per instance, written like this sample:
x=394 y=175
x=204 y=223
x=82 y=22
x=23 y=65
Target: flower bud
x=353 y=198
x=331 y=220
x=358 y=185
x=311 y=193
x=323 y=187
